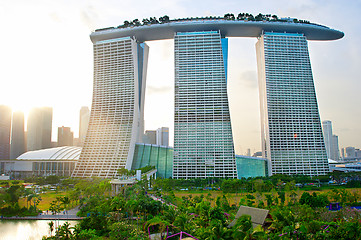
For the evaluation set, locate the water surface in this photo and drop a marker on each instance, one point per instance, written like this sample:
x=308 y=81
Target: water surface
x=26 y=229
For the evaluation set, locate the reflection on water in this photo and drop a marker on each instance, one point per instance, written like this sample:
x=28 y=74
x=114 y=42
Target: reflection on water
x=26 y=229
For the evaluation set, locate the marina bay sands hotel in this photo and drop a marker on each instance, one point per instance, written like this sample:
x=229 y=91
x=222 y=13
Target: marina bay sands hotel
x=292 y=140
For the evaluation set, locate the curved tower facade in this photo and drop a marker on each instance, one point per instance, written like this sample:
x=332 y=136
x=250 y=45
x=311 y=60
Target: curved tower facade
x=203 y=143
x=116 y=119
x=291 y=130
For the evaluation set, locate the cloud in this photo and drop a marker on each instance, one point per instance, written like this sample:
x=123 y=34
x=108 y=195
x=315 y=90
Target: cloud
x=89 y=17
x=55 y=17
x=248 y=79
x=158 y=90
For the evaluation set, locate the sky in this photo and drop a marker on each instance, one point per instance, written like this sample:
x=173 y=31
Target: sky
x=46 y=59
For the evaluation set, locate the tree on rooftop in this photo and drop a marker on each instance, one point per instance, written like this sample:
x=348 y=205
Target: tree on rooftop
x=240 y=16
x=145 y=21
x=153 y=20
x=126 y=24
x=228 y=16
x=136 y=22
x=164 y=19
x=259 y=17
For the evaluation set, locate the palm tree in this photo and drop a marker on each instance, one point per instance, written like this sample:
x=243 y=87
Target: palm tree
x=243 y=229
x=157 y=221
x=65 y=201
x=217 y=231
x=51 y=227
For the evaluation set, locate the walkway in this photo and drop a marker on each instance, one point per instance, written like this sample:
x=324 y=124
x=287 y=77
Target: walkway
x=44 y=216
x=160 y=200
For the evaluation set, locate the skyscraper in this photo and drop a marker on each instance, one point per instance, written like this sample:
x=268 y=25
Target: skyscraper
x=65 y=136
x=39 y=128
x=84 y=116
x=203 y=143
x=150 y=137
x=335 y=154
x=17 y=135
x=292 y=137
x=331 y=141
x=117 y=114
x=5 y=126
x=163 y=136
x=327 y=135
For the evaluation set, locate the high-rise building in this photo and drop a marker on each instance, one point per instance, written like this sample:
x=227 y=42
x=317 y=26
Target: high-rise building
x=117 y=114
x=17 y=135
x=150 y=137
x=5 y=127
x=83 y=123
x=335 y=154
x=291 y=130
x=65 y=136
x=327 y=136
x=350 y=152
x=163 y=136
x=203 y=143
x=39 y=128
x=331 y=141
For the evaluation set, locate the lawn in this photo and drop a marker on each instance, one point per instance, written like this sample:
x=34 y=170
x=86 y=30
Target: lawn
x=234 y=198
x=47 y=198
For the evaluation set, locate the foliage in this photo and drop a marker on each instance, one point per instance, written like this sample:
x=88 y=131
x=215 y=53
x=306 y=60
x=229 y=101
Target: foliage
x=314 y=200
x=227 y=16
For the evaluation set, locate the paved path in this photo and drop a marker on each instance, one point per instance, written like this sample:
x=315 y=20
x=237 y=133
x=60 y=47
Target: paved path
x=44 y=216
x=160 y=200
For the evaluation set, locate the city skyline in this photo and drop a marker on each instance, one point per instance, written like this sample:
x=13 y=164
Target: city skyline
x=334 y=63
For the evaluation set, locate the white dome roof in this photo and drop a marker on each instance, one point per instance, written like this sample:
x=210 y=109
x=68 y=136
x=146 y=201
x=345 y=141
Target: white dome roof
x=332 y=161
x=58 y=153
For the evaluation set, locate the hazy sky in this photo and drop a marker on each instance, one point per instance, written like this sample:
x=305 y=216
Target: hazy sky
x=46 y=59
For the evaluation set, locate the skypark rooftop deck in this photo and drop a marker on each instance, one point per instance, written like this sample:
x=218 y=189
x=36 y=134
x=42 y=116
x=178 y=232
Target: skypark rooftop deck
x=228 y=28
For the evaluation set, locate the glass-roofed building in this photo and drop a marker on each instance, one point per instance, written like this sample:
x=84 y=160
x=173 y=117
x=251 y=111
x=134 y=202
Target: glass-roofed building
x=61 y=161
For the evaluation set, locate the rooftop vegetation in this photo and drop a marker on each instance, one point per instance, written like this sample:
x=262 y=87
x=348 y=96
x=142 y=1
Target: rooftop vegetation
x=228 y=16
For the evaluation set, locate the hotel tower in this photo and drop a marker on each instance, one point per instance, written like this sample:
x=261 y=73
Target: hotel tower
x=292 y=138
x=203 y=143
x=117 y=113
x=291 y=130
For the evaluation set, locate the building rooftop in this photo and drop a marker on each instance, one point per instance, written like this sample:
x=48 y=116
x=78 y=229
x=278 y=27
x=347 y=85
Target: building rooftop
x=258 y=215
x=58 y=153
x=228 y=28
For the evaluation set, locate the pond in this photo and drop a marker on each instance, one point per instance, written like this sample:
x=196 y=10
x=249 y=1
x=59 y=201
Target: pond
x=26 y=229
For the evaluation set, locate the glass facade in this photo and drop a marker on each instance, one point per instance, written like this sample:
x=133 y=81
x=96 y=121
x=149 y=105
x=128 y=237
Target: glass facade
x=203 y=143
x=153 y=155
x=292 y=137
x=251 y=167
x=162 y=158
x=116 y=119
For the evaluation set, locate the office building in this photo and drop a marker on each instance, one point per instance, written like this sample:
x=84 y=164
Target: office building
x=292 y=138
x=163 y=136
x=335 y=154
x=350 y=152
x=84 y=116
x=59 y=161
x=331 y=141
x=203 y=143
x=39 y=128
x=327 y=136
x=5 y=127
x=117 y=114
x=17 y=146
x=65 y=136
x=150 y=137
